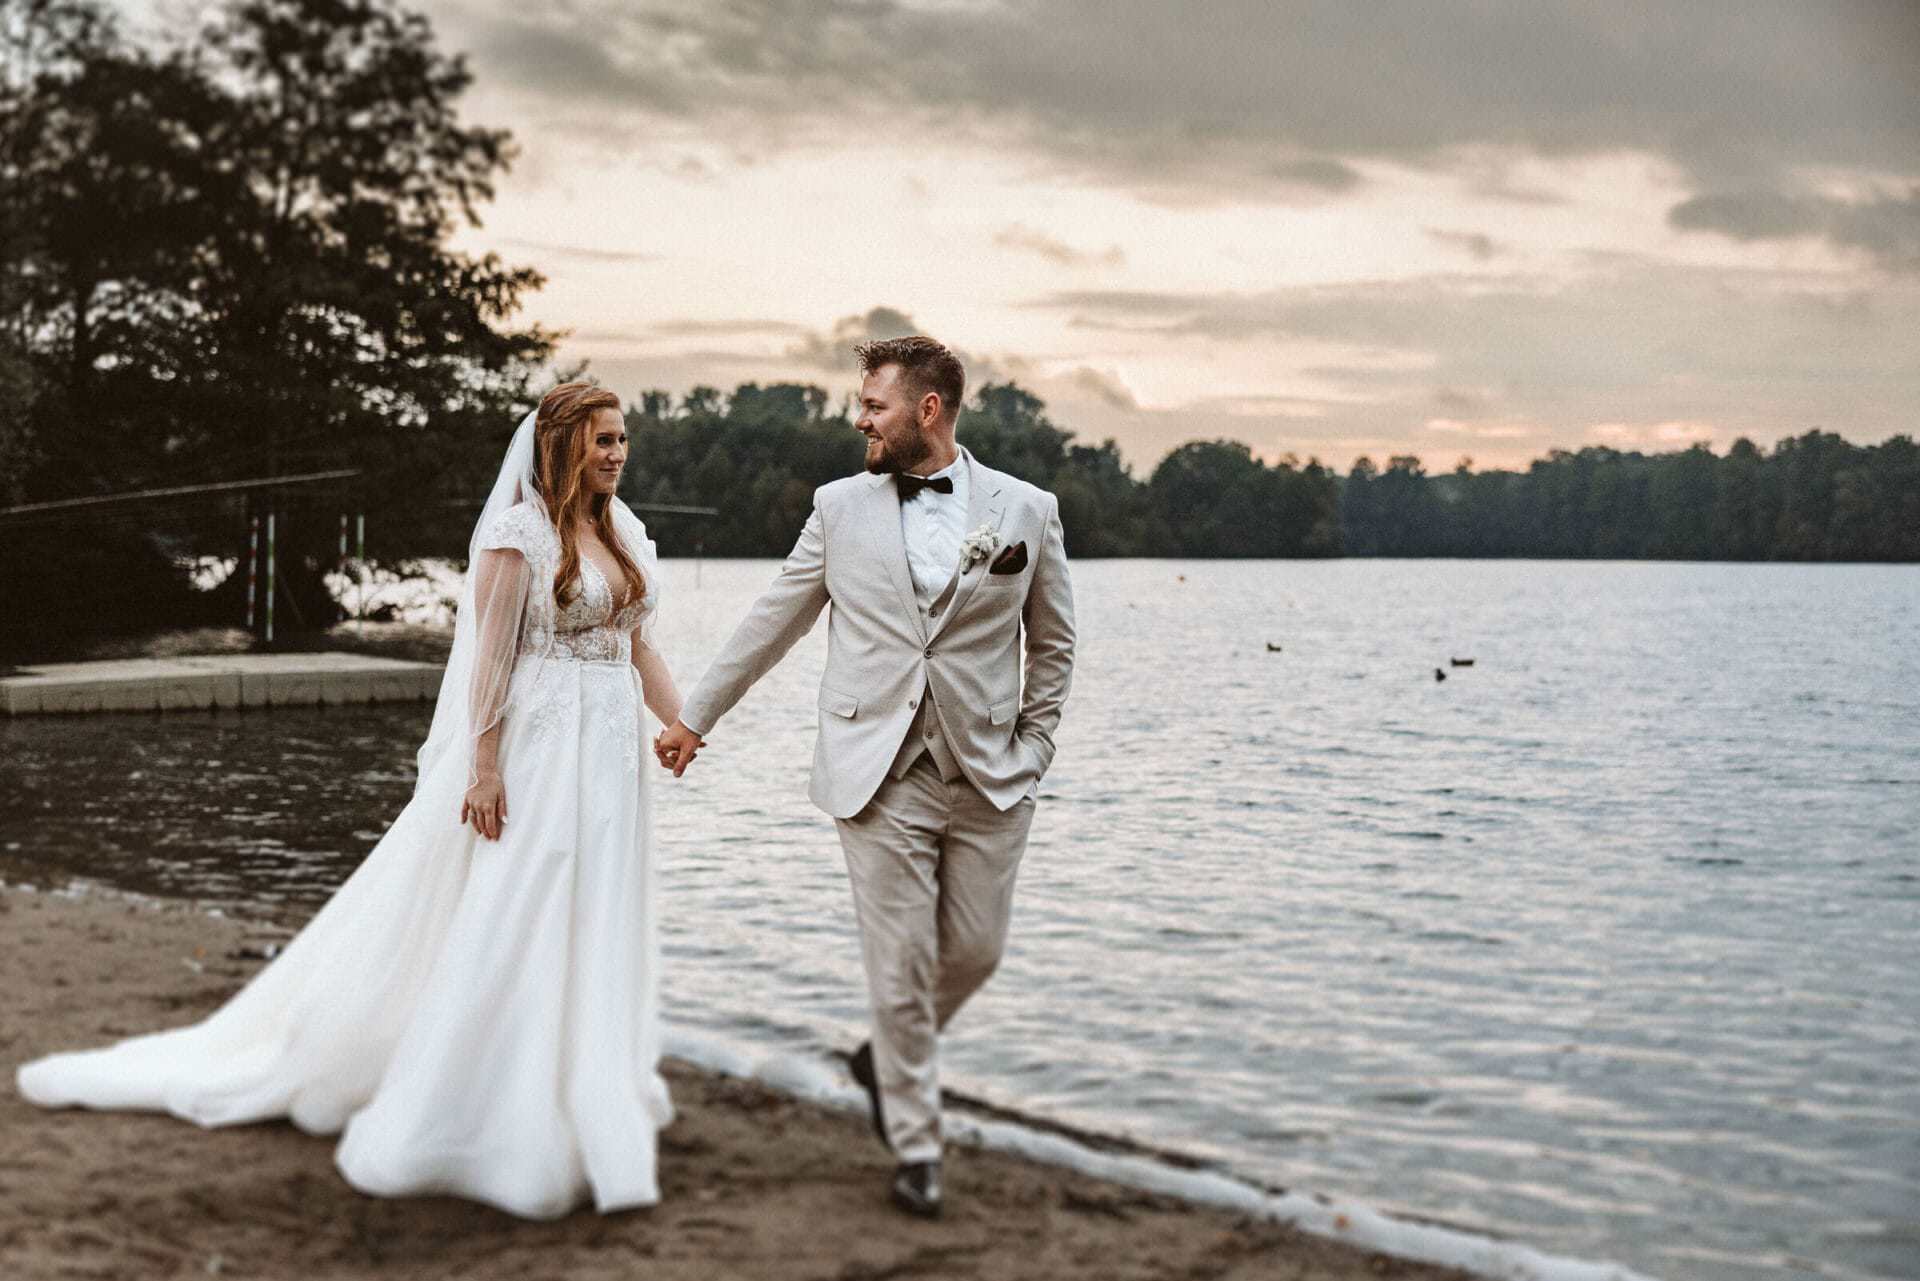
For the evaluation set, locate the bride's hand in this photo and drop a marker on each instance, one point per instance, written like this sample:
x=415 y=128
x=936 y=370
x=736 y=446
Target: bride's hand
x=676 y=746
x=485 y=806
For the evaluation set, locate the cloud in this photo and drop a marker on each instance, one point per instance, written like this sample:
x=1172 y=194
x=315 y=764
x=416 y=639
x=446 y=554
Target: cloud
x=1759 y=215
x=671 y=329
x=610 y=337
x=1483 y=431
x=1884 y=227
x=1019 y=236
x=1667 y=435
x=1762 y=141
x=1478 y=245
x=581 y=252
x=1129 y=307
x=1244 y=99
x=1104 y=387
x=1456 y=400
x=724 y=328
x=1320 y=172
x=561 y=61
x=1623 y=340
x=1272 y=406
x=832 y=350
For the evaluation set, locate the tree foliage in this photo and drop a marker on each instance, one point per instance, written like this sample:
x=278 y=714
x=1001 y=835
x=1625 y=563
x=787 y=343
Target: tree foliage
x=229 y=259
x=1815 y=497
x=759 y=454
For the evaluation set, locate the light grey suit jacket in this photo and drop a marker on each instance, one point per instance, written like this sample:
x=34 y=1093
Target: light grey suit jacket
x=883 y=652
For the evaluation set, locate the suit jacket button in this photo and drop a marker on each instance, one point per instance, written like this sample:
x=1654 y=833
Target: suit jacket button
x=911 y=704
x=928 y=652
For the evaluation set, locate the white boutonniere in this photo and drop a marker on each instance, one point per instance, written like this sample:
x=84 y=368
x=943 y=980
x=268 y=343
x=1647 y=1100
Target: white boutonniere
x=977 y=546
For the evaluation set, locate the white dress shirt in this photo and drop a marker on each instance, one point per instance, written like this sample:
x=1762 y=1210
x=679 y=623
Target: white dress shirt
x=933 y=524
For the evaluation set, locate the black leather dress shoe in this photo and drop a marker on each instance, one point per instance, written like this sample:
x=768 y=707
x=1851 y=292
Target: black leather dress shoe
x=862 y=1066
x=916 y=1188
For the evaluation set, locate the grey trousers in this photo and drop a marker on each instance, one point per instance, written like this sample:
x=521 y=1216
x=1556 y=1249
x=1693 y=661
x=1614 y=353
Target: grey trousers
x=932 y=865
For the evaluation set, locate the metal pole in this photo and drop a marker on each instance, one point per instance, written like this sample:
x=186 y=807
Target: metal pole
x=341 y=566
x=360 y=569
x=221 y=487
x=699 y=554
x=270 y=551
x=253 y=565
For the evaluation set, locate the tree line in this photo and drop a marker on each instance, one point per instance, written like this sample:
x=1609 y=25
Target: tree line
x=1814 y=497
x=758 y=455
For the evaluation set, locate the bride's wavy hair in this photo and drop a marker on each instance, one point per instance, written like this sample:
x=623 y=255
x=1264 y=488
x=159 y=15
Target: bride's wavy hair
x=562 y=436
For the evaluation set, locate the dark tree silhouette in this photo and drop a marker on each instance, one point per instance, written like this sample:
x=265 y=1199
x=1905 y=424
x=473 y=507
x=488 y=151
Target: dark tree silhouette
x=1815 y=497
x=230 y=260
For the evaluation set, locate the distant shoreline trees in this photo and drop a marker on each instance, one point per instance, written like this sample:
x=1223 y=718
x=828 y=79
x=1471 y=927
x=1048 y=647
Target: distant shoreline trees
x=1815 y=497
x=759 y=454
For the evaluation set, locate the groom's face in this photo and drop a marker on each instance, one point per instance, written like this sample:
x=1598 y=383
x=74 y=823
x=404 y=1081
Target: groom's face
x=890 y=420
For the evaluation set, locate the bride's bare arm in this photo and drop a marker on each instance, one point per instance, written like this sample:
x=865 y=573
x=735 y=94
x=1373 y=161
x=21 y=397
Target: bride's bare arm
x=656 y=682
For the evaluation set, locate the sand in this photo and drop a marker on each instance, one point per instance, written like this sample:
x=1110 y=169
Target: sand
x=755 y=1184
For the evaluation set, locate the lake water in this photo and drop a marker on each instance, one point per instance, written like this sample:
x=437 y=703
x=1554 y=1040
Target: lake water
x=1609 y=942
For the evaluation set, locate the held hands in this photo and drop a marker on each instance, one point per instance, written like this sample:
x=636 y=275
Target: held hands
x=485 y=806
x=676 y=746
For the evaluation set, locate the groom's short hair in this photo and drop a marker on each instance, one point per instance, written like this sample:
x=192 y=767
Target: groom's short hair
x=926 y=364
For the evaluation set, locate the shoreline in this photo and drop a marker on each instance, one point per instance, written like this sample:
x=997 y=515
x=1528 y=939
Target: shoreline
x=750 y=1170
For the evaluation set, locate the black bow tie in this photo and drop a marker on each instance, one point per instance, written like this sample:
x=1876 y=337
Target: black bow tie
x=911 y=485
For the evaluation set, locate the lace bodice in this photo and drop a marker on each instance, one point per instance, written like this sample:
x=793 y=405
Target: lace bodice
x=588 y=629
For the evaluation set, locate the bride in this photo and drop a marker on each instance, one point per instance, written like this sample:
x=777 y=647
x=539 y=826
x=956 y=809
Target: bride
x=476 y=1010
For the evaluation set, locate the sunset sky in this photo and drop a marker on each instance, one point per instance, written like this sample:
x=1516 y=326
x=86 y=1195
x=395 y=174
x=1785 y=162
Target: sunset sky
x=1328 y=229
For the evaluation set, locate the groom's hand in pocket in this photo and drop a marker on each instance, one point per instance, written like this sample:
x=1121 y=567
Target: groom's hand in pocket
x=676 y=747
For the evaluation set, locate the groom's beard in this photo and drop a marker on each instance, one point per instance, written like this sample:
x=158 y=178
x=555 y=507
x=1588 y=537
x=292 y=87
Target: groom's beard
x=901 y=457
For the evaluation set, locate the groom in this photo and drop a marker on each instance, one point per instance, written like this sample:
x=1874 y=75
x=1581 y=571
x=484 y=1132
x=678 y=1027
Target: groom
x=931 y=748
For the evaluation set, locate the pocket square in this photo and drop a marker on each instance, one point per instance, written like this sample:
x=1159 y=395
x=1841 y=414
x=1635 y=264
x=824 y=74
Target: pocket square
x=1010 y=561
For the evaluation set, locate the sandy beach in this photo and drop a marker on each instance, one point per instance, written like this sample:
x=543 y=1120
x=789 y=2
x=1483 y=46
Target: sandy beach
x=755 y=1183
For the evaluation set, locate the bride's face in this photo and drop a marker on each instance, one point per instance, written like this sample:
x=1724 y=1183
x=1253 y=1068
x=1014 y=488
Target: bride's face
x=606 y=451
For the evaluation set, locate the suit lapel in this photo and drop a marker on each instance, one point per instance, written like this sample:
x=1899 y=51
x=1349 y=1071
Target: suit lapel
x=883 y=525
x=984 y=507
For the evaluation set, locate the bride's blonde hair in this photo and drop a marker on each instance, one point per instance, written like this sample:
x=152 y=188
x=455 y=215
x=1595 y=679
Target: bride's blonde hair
x=562 y=432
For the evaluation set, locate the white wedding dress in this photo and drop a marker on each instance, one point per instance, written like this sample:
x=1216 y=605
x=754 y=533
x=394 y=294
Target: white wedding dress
x=475 y=1018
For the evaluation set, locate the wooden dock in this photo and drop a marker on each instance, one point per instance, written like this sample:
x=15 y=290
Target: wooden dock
x=216 y=680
